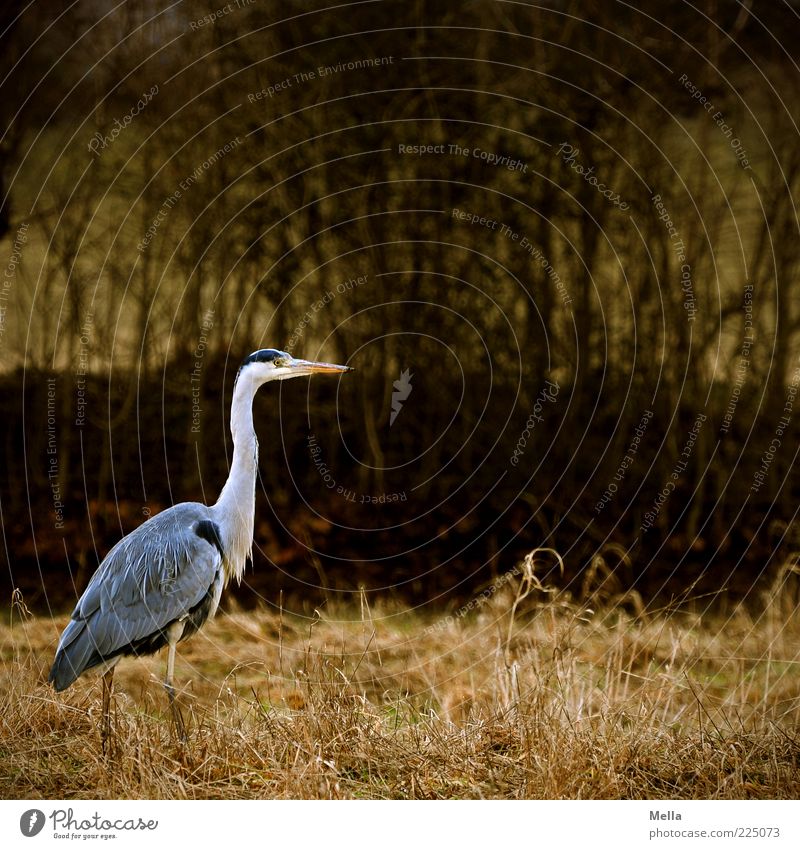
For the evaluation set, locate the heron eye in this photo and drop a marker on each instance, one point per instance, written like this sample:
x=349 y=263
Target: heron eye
x=279 y=362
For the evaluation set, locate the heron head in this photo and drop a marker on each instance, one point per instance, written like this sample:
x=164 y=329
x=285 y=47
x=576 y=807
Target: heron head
x=271 y=364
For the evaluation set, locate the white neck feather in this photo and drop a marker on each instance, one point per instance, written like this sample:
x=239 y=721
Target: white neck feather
x=236 y=506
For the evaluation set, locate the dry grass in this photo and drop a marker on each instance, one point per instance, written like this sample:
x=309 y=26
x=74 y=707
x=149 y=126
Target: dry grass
x=561 y=702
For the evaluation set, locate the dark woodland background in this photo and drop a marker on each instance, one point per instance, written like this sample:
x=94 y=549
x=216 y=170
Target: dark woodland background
x=142 y=340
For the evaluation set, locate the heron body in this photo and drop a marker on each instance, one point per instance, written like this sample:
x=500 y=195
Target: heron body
x=160 y=583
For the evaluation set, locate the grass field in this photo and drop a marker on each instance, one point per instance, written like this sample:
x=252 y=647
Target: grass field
x=529 y=695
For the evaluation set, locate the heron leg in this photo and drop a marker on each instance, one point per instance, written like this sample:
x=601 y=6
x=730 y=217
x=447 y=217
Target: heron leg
x=105 y=731
x=177 y=718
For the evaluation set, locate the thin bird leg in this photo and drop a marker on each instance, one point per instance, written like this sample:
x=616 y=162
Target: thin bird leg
x=177 y=718
x=105 y=731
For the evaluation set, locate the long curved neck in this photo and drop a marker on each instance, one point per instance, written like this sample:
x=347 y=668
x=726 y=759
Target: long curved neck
x=236 y=506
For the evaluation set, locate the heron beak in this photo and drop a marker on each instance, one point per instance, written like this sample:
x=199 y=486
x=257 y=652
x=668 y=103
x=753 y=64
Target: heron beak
x=309 y=367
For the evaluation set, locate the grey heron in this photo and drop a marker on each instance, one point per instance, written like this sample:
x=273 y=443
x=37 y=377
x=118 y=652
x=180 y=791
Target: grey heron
x=161 y=582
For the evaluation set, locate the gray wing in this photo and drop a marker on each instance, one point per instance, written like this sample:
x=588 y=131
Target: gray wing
x=159 y=573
